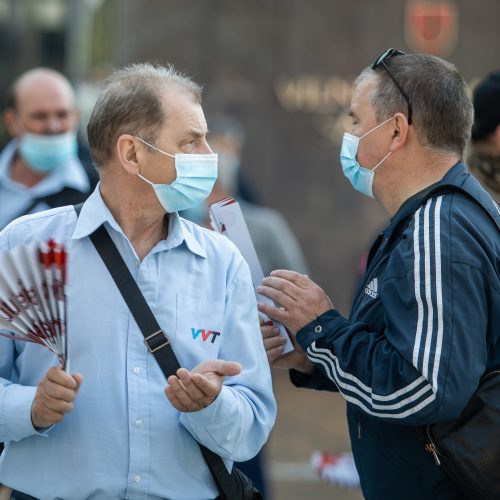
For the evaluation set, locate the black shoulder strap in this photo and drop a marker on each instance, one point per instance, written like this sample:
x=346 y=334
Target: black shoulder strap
x=155 y=338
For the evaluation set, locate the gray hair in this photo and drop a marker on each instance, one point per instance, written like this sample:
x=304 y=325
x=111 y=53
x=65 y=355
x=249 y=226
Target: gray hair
x=442 y=111
x=130 y=103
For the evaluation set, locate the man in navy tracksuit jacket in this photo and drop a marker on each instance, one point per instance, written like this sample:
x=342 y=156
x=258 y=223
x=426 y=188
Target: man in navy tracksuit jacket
x=425 y=322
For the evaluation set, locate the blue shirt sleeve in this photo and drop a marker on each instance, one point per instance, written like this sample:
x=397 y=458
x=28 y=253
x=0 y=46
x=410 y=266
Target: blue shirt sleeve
x=236 y=425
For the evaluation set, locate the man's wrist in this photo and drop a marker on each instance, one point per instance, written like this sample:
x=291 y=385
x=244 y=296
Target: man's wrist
x=306 y=366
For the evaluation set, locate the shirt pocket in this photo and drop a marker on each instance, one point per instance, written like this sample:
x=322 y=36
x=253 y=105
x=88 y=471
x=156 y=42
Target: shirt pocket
x=199 y=329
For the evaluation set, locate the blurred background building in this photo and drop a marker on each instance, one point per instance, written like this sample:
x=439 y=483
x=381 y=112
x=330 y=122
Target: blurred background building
x=285 y=69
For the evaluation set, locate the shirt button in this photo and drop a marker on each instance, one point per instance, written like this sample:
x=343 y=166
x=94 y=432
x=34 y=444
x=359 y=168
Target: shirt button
x=137 y=478
x=318 y=329
x=137 y=370
x=138 y=423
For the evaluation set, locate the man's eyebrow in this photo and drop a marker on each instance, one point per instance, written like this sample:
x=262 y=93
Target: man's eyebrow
x=352 y=114
x=194 y=133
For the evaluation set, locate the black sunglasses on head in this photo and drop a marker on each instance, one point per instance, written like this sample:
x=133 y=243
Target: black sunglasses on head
x=380 y=61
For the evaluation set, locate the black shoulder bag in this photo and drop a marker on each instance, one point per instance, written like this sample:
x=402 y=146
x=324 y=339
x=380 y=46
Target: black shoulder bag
x=468 y=448
x=234 y=486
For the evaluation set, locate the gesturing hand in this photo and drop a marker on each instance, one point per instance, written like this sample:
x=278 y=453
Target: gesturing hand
x=192 y=391
x=301 y=298
x=54 y=397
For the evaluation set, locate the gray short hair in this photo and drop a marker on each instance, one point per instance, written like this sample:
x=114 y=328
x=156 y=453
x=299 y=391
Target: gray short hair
x=441 y=107
x=130 y=103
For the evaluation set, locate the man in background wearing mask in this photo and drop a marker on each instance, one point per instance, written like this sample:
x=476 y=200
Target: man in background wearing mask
x=274 y=241
x=39 y=168
x=484 y=151
x=425 y=321
x=137 y=432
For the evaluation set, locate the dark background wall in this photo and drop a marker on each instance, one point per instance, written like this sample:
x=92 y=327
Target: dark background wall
x=284 y=67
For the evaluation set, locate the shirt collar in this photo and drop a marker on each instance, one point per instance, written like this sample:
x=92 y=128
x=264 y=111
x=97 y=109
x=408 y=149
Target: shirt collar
x=94 y=213
x=72 y=175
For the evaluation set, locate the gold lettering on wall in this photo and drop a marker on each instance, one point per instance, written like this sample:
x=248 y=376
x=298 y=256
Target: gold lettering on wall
x=327 y=99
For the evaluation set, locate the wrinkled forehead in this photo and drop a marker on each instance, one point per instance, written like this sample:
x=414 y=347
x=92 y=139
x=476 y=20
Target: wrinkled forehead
x=183 y=111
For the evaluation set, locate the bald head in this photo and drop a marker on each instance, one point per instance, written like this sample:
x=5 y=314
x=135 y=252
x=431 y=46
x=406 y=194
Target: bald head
x=40 y=101
x=36 y=83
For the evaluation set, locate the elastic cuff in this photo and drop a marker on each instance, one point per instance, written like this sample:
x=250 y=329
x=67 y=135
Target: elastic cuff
x=316 y=329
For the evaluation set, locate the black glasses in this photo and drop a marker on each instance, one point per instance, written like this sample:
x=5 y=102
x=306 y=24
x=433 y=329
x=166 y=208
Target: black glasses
x=380 y=61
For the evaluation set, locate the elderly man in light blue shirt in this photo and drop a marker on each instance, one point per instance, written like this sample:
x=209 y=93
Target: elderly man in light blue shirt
x=115 y=428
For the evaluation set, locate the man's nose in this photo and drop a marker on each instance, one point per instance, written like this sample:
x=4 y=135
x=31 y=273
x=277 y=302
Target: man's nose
x=207 y=149
x=55 y=125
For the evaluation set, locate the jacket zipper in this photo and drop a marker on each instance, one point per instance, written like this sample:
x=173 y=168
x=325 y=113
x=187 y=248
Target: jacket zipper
x=431 y=448
x=454 y=471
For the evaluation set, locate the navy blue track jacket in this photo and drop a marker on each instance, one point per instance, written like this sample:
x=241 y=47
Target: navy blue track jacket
x=424 y=328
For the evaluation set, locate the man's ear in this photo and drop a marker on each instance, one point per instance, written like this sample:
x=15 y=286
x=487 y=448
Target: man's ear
x=128 y=153
x=10 y=122
x=399 y=131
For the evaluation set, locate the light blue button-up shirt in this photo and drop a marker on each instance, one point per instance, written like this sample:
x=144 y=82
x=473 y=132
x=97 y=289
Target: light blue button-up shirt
x=124 y=439
x=16 y=198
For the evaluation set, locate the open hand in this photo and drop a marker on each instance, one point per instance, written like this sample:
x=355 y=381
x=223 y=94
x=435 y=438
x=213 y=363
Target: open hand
x=195 y=390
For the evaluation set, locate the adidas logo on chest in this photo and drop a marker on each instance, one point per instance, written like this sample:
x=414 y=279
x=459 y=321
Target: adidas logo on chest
x=372 y=288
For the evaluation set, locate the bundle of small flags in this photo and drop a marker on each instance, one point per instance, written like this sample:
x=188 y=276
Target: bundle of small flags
x=32 y=296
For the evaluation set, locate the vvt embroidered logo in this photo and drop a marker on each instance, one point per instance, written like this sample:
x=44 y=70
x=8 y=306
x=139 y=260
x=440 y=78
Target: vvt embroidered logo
x=372 y=288
x=205 y=334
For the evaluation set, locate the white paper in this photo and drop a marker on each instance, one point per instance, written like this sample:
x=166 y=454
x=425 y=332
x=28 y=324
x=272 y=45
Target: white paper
x=226 y=218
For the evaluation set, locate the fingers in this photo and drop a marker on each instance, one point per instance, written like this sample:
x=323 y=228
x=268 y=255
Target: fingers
x=218 y=366
x=230 y=368
x=274 y=354
x=78 y=378
x=60 y=377
x=298 y=279
x=288 y=288
x=275 y=347
x=185 y=395
x=54 y=397
x=193 y=391
x=276 y=313
x=269 y=331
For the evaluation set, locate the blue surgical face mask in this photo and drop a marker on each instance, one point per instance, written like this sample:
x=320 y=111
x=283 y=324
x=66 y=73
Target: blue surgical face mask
x=45 y=153
x=361 y=178
x=196 y=176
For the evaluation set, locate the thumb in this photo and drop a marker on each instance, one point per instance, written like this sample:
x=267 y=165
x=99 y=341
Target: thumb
x=229 y=368
x=78 y=379
x=219 y=366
